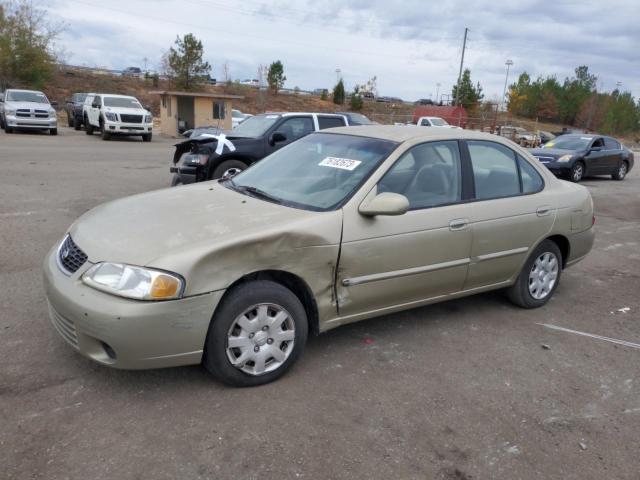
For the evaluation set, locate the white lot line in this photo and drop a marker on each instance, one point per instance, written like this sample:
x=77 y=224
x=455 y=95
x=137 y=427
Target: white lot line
x=584 y=334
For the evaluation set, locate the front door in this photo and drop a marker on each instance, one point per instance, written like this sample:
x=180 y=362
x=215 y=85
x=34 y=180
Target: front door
x=391 y=261
x=292 y=128
x=596 y=159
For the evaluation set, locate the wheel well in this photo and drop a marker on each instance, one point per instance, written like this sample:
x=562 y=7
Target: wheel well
x=563 y=244
x=294 y=283
x=214 y=165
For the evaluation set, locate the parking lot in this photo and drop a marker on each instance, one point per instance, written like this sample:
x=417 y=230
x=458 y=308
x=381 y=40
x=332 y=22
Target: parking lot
x=472 y=388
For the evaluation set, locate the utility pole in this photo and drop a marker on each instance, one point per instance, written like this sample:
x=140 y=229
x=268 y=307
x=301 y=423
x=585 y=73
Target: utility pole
x=508 y=63
x=464 y=46
x=338 y=75
x=437 y=91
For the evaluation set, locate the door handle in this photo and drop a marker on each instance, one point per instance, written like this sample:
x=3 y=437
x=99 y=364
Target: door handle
x=458 y=224
x=543 y=211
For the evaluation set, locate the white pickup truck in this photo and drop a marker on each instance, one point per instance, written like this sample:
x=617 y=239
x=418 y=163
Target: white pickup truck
x=116 y=115
x=434 y=122
x=27 y=110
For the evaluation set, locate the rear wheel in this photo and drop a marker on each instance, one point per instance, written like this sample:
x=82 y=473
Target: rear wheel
x=70 y=120
x=539 y=277
x=577 y=172
x=77 y=124
x=258 y=332
x=228 y=169
x=621 y=171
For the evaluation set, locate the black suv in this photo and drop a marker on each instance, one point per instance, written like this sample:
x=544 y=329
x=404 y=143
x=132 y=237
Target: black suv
x=210 y=155
x=73 y=107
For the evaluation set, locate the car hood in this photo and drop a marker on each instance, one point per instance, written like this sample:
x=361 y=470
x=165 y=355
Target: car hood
x=153 y=228
x=28 y=105
x=127 y=111
x=550 y=152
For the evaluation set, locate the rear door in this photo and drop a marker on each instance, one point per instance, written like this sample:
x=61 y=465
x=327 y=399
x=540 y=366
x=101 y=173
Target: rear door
x=614 y=154
x=511 y=213
x=326 y=121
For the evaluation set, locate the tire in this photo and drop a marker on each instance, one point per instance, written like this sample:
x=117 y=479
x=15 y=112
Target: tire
x=260 y=301
x=176 y=180
x=543 y=265
x=104 y=133
x=8 y=129
x=1 y=122
x=577 y=172
x=53 y=131
x=147 y=137
x=227 y=167
x=70 y=120
x=621 y=171
x=77 y=124
x=88 y=128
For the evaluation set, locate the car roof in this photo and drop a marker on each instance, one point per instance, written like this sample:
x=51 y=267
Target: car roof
x=290 y=114
x=403 y=133
x=113 y=95
x=22 y=90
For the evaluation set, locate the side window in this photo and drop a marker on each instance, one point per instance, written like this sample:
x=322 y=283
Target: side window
x=296 y=127
x=495 y=172
x=531 y=180
x=89 y=100
x=330 y=122
x=427 y=174
x=598 y=142
x=611 y=144
x=98 y=101
x=424 y=123
x=219 y=111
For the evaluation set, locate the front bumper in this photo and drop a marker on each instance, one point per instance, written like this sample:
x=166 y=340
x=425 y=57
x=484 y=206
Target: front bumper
x=124 y=333
x=558 y=169
x=187 y=174
x=128 y=128
x=27 y=122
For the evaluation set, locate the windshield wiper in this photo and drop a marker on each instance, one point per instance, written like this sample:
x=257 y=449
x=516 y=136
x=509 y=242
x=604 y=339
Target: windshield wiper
x=256 y=192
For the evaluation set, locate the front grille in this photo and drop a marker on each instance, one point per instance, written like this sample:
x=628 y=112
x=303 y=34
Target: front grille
x=131 y=118
x=23 y=114
x=64 y=327
x=70 y=256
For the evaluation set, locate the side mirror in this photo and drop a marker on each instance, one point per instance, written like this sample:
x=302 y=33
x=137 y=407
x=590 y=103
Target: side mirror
x=95 y=105
x=385 y=203
x=54 y=104
x=595 y=149
x=277 y=137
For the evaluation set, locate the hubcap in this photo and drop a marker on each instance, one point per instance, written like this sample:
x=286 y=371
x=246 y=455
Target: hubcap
x=230 y=172
x=577 y=172
x=260 y=339
x=622 y=170
x=543 y=275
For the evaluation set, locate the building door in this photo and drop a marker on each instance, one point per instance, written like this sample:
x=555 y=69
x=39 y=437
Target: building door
x=186 y=115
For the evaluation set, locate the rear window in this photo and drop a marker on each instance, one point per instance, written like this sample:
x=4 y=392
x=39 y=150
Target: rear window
x=330 y=122
x=611 y=144
x=495 y=171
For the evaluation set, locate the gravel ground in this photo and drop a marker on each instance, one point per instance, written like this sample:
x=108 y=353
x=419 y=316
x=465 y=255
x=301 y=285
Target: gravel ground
x=473 y=388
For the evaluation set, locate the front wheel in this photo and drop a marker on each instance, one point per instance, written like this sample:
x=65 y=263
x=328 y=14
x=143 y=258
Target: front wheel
x=621 y=171
x=577 y=172
x=176 y=180
x=88 y=128
x=539 y=277
x=147 y=137
x=258 y=332
x=53 y=131
x=228 y=169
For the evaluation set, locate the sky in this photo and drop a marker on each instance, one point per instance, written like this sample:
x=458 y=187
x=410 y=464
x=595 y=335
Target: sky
x=413 y=47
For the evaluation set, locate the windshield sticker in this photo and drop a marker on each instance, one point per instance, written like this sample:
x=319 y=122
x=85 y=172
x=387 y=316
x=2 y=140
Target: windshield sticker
x=586 y=138
x=549 y=145
x=272 y=116
x=341 y=163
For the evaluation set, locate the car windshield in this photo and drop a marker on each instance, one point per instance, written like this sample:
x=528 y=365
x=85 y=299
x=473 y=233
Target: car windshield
x=438 y=122
x=318 y=172
x=256 y=126
x=35 y=97
x=80 y=97
x=121 y=102
x=569 y=143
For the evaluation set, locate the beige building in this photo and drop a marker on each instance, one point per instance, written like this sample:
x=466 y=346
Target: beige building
x=180 y=111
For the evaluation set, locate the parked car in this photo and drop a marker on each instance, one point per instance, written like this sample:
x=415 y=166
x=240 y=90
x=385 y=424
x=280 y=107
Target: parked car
x=198 y=131
x=356 y=119
x=27 y=110
x=519 y=135
x=237 y=117
x=578 y=156
x=73 y=107
x=132 y=72
x=206 y=158
x=116 y=115
x=434 y=122
x=545 y=137
x=424 y=101
x=340 y=226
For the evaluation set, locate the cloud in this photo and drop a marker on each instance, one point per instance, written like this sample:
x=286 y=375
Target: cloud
x=411 y=46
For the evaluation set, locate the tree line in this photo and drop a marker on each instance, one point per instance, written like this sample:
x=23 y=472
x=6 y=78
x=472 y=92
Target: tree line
x=576 y=102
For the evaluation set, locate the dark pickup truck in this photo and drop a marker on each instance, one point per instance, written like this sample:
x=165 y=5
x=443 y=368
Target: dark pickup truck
x=73 y=107
x=210 y=155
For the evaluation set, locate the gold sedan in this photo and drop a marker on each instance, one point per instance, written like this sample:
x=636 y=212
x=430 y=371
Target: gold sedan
x=340 y=226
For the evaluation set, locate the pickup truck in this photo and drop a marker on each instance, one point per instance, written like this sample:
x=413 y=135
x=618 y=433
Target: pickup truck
x=434 y=122
x=27 y=110
x=73 y=107
x=116 y=115
x=211 y=156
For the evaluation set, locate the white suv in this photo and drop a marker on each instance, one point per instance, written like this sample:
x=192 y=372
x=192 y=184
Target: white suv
x=27 y=109
x=116 y=115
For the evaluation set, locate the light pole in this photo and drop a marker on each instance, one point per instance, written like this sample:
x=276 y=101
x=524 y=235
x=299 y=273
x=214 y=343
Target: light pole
x=508 y=63
x=338 y=72
x=437 y=91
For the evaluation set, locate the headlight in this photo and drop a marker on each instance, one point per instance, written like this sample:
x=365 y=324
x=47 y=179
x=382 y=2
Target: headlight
x=134 y=282
x=10 y=111
x=195 y=158
x=52 y=112
x=148 y=119
x=112 y=117
x=565 y=158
